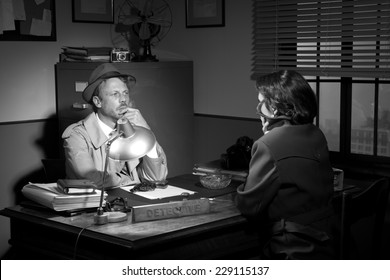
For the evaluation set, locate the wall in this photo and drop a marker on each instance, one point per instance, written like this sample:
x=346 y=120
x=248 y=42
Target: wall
x=215 y=134
x=222 y=64
x=221 y=55
x=222 y=70
x=222 y=60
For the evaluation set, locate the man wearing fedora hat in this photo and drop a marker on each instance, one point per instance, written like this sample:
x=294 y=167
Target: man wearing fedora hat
x=108 y=91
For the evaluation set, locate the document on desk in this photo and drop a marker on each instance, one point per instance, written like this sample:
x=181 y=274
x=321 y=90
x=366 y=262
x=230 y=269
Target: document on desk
x=160 y=193
x=52 y=196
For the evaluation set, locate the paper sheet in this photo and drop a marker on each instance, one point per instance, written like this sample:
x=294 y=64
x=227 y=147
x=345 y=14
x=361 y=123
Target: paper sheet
x=19 y=11
x=40 y=27
x=7 y=18
x=161 y=193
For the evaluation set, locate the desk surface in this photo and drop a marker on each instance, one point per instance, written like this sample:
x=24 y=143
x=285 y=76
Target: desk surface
x=219 y=234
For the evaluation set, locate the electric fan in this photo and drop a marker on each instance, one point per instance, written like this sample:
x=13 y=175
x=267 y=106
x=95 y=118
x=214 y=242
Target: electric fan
x=143 y=23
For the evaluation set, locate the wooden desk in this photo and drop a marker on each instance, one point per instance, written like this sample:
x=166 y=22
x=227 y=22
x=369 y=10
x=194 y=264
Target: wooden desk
x=221 y=234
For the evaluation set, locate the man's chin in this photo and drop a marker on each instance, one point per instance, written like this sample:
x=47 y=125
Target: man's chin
x=121 y=114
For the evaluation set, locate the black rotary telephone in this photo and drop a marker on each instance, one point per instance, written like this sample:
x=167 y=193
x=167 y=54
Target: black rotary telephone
x=238 y=156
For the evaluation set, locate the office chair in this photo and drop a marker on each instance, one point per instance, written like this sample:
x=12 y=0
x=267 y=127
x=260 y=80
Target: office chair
x=54 y=169
x=358 y=205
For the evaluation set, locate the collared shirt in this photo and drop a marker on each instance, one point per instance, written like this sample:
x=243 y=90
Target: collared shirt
x=106 y=129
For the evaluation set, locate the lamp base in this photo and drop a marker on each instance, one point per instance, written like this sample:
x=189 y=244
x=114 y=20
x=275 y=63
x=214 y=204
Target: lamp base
x=109 y=217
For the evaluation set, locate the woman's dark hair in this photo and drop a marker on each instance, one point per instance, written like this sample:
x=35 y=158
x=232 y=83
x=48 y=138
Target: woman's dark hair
x=289 y=93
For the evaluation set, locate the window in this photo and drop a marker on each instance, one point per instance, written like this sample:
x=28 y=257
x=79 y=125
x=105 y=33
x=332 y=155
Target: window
x=343 y=48
x=331 y=38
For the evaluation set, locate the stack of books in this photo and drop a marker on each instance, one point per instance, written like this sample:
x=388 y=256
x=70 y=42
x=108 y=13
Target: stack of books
x=214 y=167
x=85 y=54
x=54 y=196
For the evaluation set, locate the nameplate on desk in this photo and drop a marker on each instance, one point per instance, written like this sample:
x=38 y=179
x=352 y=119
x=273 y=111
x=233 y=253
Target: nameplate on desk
x=170 y=210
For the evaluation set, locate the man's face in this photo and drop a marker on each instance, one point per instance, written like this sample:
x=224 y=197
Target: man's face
x=113 y=100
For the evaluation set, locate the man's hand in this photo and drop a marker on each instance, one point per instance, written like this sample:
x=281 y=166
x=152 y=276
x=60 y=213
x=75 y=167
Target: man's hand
x=135 y=117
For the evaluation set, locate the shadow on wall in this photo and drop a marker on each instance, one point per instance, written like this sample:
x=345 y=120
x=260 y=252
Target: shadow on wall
x=48 y=143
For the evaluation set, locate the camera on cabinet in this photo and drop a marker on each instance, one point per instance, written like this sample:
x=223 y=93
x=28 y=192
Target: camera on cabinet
x=120 y=55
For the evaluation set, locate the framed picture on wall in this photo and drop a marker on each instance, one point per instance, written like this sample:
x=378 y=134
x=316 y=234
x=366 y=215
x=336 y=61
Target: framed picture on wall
x=205 y=13
x=96 y=11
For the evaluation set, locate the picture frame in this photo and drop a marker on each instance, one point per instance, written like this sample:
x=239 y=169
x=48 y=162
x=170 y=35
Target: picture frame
x=205 y=13
x=96 y=11
x=29 y=21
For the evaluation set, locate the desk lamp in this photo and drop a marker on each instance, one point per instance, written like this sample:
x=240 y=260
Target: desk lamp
x=131 y=142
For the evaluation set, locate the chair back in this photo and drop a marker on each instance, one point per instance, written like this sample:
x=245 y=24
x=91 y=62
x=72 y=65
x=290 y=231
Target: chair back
x=54 y=169
x=359 y=205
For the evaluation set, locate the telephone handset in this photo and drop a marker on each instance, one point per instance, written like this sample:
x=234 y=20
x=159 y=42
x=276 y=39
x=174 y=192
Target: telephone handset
x=272 y=121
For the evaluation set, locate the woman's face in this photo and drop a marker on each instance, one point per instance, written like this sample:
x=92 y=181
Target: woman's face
x=263 y=111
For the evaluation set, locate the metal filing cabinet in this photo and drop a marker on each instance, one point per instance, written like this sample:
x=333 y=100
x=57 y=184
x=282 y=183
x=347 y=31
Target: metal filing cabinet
x=163 y=93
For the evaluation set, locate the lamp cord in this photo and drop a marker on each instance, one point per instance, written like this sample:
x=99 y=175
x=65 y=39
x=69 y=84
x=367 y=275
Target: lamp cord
x=77 y=241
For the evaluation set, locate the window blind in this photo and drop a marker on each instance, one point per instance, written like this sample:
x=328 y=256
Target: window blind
x=322 y=38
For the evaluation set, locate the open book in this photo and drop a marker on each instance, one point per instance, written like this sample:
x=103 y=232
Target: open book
x=52 y=196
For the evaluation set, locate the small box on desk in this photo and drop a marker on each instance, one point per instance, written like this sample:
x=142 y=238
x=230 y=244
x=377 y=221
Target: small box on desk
x=338 y=179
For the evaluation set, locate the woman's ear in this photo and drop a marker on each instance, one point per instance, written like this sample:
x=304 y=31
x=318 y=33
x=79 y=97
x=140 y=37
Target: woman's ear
x=96 y=101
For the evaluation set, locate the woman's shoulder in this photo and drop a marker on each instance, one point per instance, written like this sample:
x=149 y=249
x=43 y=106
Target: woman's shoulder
x=293 y=135
x=291 y=130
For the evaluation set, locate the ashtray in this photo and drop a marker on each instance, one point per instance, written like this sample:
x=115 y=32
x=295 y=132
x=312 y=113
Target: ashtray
x=215 y=181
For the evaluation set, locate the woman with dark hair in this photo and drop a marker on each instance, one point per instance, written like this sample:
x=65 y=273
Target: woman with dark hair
x=289 y=187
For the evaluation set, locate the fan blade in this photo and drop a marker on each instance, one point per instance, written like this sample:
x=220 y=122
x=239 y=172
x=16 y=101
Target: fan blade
x=132 y=20
x=163 y=9
x=147 y=8
x=144 y=32
x=158 y=21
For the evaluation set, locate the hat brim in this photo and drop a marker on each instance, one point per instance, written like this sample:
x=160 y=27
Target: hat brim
x=90 y=89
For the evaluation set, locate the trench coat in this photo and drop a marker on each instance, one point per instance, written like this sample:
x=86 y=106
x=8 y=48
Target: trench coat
x=85 y=154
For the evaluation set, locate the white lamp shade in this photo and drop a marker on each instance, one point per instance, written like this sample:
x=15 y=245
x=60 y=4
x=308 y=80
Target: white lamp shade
x=135 y=141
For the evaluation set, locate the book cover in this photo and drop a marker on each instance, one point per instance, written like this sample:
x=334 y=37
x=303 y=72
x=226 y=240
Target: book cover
x=87 y=51
x=76 y=186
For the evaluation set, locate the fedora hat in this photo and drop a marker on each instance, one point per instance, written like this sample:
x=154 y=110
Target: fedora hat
x=102 y=72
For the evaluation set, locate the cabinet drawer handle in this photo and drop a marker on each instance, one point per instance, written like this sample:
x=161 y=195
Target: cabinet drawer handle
x=77 y=105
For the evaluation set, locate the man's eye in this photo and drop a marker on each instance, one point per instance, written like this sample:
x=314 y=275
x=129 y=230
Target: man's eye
x=118 y=94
